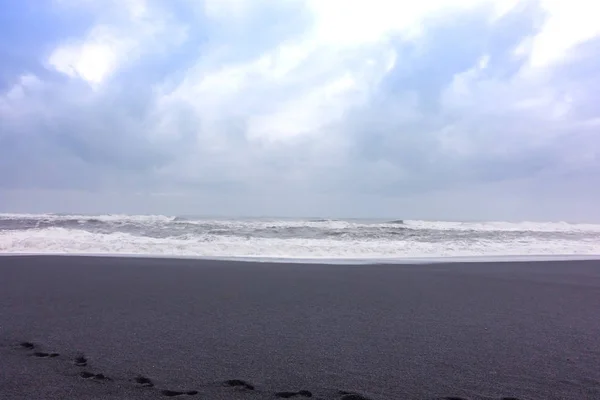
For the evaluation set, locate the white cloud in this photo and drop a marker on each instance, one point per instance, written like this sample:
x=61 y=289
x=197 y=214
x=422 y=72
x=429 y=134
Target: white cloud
x=568 y=24
x=93 y=59
x=298 y=88
x=309 y=82
x=357 y=22
x=109 y=46
x=19 y=90
x=17 y=102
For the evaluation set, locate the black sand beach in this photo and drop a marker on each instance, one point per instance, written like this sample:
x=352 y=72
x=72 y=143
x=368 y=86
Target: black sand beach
x=134 y=328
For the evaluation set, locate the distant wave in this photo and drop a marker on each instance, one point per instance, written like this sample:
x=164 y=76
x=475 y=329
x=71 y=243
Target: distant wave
x=316 y=228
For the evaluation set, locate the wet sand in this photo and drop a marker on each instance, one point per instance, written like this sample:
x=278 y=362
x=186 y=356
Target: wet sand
x=115 y=328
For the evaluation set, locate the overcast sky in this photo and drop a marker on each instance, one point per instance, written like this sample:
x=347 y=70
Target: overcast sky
x=438 y=109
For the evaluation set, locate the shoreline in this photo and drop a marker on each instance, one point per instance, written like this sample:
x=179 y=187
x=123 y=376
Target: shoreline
x=525 y=330
x=330 y=261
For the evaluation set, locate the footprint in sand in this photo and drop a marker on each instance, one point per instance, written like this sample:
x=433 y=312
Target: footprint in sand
x=80 y=360
x=351 y=396
x=41 y=354
x=174 y=393
x=96 y=377
x=143 y=381
x=238 y=383
x=289 y=395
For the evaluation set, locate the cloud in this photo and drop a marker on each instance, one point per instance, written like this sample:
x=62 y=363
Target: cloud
x=134 y=29
x=567 y=25
x=326 y=100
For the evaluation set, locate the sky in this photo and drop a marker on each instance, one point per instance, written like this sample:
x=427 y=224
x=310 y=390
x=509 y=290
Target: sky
x=432 y=109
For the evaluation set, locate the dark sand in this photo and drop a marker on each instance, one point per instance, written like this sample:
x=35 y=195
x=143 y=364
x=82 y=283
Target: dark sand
x=474 y=331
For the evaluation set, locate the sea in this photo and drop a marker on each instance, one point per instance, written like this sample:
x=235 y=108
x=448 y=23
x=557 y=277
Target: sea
x=276 y=239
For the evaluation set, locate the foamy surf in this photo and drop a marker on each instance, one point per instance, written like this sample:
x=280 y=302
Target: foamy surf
x=329 y=241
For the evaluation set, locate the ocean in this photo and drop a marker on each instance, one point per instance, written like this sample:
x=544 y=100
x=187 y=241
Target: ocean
x=292 y=239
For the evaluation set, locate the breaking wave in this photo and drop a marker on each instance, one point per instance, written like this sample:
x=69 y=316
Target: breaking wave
x=323 y=239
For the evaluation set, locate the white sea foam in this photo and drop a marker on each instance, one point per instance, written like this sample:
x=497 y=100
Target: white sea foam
x=76 y=241
x=289 y=239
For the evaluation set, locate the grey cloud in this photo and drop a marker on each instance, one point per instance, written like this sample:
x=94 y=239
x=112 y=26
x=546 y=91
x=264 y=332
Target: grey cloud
x=493 y=141
x=409 y=146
